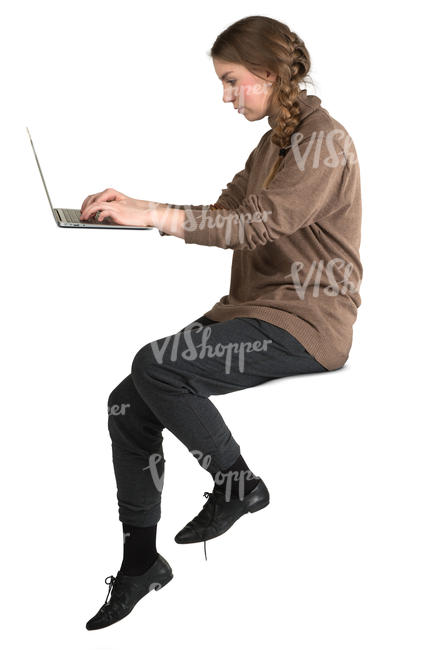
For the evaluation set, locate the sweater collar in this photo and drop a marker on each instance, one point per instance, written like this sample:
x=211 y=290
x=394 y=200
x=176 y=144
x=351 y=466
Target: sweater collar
x=307 y=104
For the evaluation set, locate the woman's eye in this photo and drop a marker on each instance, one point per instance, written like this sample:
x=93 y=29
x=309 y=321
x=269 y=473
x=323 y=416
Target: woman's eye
x=231 y=81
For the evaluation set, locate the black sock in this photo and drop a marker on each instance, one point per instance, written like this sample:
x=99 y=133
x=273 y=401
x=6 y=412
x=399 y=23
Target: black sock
x=232 y=476
x=139 y=549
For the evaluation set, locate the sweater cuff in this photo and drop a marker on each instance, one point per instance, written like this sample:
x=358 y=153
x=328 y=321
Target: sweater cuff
x=200 y=211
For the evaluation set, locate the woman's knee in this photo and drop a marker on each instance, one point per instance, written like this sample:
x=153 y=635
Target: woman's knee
x=120 y=398
x=142 y=364
x=150 y=367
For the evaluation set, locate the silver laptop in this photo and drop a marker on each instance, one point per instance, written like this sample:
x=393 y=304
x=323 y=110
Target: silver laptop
x=67 y=218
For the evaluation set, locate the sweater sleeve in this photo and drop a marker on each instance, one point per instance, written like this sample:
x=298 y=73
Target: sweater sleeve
x=303 y=191
x=230 y=197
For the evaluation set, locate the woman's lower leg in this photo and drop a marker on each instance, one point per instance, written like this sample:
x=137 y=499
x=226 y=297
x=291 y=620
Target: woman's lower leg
x=236 y=480
x=139 y=549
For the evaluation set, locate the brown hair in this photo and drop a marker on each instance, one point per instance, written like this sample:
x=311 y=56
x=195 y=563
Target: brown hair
x=261 y=43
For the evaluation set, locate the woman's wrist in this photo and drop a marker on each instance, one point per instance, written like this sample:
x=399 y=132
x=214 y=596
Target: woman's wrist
x=169 y=220
x=149 y=205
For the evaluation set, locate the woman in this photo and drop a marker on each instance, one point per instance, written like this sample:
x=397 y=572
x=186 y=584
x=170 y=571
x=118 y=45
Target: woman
x=293 y=218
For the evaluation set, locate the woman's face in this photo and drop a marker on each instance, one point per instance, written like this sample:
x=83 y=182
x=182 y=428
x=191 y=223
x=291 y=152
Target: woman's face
x=247 y=92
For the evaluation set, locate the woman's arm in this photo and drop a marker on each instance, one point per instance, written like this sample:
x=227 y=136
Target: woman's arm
x=169 y=221
x=230 y=197
x=165 y=216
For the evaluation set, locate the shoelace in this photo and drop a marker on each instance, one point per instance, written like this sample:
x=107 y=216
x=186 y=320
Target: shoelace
x=212 y=497
x=110 y=583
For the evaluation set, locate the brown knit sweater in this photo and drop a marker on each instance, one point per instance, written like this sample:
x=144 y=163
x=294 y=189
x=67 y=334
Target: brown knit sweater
x=296 y=260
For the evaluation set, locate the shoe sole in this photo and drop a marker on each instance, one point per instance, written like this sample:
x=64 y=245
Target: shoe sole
x=163 y=583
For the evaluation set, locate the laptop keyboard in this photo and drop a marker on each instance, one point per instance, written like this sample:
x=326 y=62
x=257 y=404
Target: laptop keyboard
x=73 y=216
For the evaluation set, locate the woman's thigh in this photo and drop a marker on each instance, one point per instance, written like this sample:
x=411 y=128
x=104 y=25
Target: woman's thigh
x=212 y=358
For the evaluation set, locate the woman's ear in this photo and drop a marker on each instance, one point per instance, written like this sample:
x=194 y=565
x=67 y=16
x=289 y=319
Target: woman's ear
x=271 y=76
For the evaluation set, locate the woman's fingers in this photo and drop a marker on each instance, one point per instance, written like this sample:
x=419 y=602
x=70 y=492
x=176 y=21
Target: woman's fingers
x=107 y=195
x=105 y=214
x=125 y=211
x=85 y=202
x=92 y=208
x=90 y=199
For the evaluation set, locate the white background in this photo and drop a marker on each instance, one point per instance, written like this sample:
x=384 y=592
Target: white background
x=124 y=95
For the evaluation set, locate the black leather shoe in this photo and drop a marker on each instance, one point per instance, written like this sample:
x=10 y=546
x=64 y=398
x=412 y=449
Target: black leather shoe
x=219 y=514
x=127 y=591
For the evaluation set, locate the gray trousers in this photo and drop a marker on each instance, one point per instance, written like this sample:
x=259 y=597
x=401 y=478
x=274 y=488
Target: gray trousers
x=170 y=382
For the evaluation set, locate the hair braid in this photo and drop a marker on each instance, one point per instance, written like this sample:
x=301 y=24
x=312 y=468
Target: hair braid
x=286 y=97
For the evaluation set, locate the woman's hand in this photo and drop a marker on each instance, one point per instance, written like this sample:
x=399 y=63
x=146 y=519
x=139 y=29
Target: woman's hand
x=121 y=209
